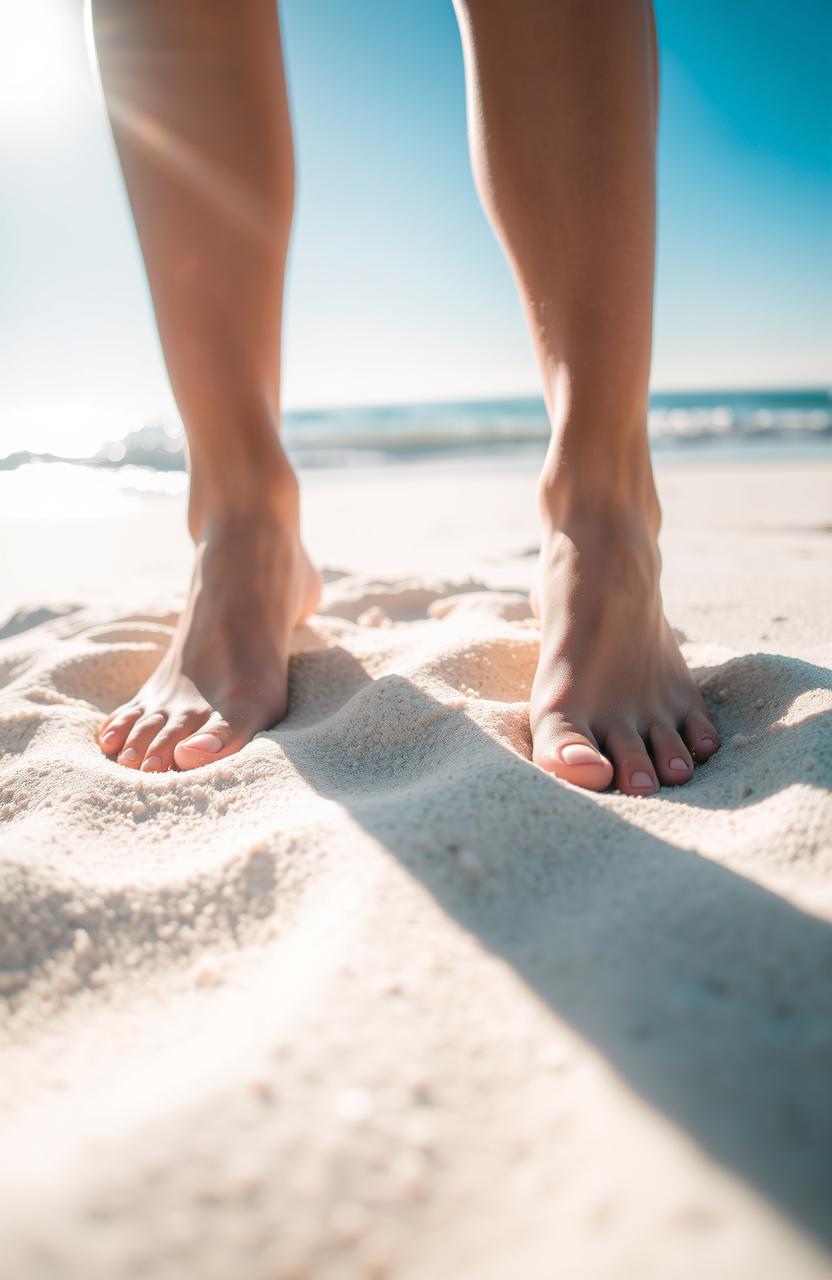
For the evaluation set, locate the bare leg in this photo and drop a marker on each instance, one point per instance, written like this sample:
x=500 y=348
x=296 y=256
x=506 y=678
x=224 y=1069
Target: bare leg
x=197 y=101
x=562 y=98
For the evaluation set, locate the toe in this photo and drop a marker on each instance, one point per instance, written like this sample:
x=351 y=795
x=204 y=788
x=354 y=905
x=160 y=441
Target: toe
x=670 y=756
x=159 y=756
x=114 y=730
x=634 y=772
x=215 y=739
x=139 y=738
x=701 y=736
x=570 y=752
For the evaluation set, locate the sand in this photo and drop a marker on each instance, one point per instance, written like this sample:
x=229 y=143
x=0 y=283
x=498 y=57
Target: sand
x=377 y=997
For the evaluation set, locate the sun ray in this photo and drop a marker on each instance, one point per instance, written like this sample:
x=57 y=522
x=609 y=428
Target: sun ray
x=220 y=188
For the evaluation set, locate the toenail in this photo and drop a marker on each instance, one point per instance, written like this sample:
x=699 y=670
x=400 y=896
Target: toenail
x=579 y=753
x=129 y=754
x=641 y=779
x=678 y=763
x=152 y=762
x=204 y=742
x=706 y=742
x=110 y=737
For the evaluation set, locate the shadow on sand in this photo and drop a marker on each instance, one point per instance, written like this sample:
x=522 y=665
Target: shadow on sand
x=710 y=995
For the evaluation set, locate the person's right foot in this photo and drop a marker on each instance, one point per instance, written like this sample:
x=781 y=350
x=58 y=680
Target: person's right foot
x=224 y=677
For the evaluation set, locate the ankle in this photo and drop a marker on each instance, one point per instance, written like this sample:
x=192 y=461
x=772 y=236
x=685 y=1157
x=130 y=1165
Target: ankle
x=244 y=489
x=602 y=484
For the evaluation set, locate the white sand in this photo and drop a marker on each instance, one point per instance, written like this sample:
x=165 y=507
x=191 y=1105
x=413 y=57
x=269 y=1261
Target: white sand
x=378 y=998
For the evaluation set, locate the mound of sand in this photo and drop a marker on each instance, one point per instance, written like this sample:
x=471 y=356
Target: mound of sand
x=377 y=997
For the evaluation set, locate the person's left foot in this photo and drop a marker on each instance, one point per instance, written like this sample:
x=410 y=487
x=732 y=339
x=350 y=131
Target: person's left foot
x=613 y=700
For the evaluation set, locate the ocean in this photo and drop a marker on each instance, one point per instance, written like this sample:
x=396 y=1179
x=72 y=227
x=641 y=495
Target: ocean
x=684 y=426
x=742 y=424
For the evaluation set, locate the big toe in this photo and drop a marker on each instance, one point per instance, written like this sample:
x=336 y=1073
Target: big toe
x=215 y=740
x=569 y=752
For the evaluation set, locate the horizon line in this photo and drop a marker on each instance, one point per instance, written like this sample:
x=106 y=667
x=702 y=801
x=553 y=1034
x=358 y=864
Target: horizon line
x=823 y=388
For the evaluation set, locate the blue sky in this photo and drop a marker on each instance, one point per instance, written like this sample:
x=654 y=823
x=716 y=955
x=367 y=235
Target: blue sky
x=397 y=288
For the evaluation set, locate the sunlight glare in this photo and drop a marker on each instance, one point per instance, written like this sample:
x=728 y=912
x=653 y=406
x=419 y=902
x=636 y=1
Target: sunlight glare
x=39 y=69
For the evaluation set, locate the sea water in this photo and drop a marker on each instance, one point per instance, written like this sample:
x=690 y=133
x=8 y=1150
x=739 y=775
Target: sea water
x=684 y=426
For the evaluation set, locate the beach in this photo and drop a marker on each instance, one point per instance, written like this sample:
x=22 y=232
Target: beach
x=376 y=997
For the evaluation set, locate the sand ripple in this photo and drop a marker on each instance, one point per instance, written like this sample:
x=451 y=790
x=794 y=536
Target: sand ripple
x=360 y=1000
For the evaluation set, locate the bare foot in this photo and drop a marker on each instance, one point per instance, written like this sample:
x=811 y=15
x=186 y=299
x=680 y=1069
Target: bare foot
x=224 y=677
x=612 y=699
